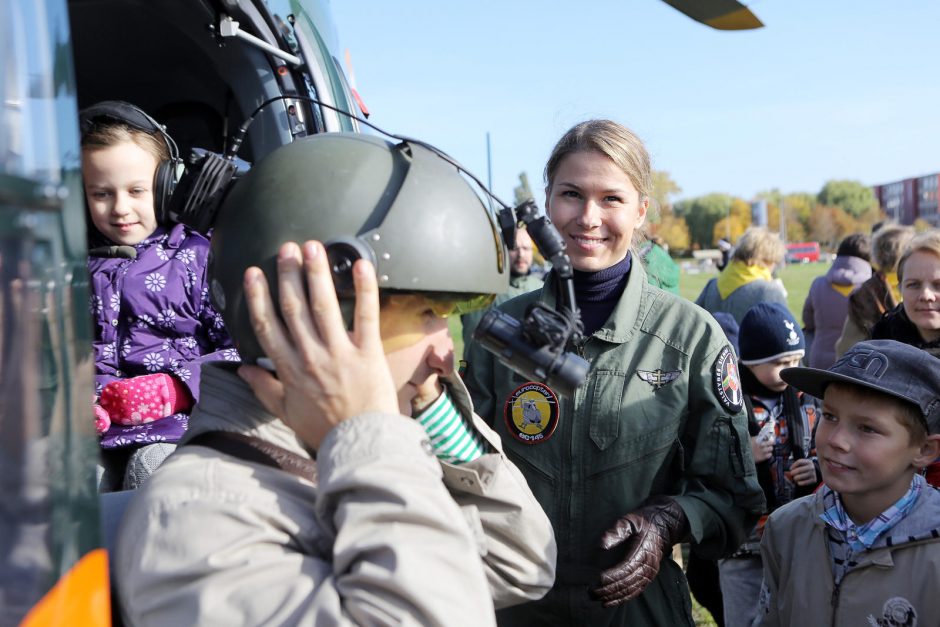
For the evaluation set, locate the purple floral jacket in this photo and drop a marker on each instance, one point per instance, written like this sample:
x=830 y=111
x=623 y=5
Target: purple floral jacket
x=152 y=314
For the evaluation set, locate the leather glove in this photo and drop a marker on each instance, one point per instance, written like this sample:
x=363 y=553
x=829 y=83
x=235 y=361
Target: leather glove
x=649 y=533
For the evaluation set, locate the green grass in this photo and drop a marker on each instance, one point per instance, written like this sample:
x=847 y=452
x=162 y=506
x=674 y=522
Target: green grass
x=796 y=278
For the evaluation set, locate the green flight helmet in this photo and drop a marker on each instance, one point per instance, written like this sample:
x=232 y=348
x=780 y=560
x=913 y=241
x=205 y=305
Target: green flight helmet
x=401 y=206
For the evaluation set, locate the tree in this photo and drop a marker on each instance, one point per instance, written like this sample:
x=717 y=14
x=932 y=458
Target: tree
x=735 y=223
x=851 y=196
x=828 y=225
x=522 y=191
x=798 y=209
x=701 y=214
x=674 y=230
x=663 y=188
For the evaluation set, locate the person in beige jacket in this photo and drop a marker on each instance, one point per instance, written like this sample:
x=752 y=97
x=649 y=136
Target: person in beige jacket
x=347 y=481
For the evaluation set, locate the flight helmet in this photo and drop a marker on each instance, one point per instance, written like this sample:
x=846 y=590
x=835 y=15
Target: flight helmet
x=399 y=205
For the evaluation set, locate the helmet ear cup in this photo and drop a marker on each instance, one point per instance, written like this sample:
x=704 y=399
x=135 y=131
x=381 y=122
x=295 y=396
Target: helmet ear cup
x=164 y=183
x=342 y=253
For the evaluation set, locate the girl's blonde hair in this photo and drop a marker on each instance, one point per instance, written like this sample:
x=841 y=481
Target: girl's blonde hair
x=887 y=244
x=105 y=134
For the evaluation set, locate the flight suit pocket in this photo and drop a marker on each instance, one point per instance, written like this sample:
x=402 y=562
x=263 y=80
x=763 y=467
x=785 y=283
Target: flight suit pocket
x=729 y=454
x=606 y=397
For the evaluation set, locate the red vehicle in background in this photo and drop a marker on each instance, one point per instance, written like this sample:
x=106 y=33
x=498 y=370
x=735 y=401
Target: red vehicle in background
x=802 y=252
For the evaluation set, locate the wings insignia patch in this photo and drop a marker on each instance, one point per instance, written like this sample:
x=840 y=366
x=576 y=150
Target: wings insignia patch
x=659 y=377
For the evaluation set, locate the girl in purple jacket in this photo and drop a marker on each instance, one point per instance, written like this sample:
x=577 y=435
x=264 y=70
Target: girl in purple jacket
x=153 y=324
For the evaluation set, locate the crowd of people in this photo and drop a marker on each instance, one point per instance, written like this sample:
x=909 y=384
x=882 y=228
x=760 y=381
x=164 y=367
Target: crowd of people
x=330 y=465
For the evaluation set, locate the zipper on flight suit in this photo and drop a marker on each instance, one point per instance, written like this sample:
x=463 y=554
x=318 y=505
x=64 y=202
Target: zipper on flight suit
x=566 y=487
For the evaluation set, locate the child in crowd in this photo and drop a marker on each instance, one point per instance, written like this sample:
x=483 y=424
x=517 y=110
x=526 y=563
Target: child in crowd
x=153 y=324
x=865 y=549
x=780 y=422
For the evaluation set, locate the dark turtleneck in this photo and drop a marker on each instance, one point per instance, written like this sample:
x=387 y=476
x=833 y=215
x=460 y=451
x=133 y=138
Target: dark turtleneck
x=597 y=293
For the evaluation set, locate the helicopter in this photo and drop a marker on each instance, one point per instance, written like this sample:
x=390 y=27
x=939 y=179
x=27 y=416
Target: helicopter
x=718 y=14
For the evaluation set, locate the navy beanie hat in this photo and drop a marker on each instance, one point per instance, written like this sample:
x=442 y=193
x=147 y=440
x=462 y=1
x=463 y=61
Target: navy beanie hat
x=769 y=332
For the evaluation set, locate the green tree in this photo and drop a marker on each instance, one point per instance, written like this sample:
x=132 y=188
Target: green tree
x=663 y=188
x=701 y=214
x=732 y=226
x=674 y=230
x=851 y=196
x=522 y=191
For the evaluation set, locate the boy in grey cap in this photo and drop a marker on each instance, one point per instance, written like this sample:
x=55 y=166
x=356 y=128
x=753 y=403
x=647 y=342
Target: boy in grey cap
x=865 y=549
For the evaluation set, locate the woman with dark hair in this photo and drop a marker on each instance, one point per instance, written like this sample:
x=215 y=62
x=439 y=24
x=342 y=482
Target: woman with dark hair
x=827 y=304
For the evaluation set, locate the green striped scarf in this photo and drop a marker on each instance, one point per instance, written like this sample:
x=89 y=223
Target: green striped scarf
x=452 y=439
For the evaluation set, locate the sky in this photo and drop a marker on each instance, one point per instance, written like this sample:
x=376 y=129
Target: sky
x=828 y=89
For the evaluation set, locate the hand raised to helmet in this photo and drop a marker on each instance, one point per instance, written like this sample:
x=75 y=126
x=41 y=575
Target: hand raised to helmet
x=325 y=375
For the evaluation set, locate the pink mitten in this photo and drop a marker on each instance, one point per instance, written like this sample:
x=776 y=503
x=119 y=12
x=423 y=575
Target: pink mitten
x=144 y=399
x=102 y=419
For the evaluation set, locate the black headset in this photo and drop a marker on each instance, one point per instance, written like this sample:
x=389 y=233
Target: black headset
x=167 y=174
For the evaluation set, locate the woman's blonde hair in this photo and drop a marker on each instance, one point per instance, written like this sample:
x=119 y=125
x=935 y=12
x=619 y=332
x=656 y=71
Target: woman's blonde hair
x=928 y=242
x=887 y=244
x=614 y=141
x=759 y=246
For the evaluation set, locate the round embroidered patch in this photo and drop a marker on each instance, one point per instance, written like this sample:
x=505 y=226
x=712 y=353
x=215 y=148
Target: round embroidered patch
x=531 y=413
x=727 y=382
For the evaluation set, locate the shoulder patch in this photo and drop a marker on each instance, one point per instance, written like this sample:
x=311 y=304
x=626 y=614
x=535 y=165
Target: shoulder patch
x=531 y=413
x=726 y=382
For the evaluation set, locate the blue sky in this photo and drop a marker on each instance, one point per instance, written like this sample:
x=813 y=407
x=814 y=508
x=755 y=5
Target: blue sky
x=829 y=89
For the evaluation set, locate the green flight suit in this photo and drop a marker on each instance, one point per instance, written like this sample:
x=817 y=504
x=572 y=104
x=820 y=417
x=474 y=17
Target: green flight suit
x=517 y=285
x=626 y=435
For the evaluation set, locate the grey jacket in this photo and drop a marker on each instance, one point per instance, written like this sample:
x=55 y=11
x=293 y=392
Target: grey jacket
x=895 y=582
x=389 y=536
x=825 y=309
x=741 y=299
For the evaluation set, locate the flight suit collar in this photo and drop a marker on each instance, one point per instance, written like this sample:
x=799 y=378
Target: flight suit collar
x=625 y=319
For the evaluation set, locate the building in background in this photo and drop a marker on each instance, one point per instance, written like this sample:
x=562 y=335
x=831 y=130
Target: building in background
x=911 y=199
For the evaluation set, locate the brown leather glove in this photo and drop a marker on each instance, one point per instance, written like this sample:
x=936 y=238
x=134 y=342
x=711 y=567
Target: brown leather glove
x=651 y=530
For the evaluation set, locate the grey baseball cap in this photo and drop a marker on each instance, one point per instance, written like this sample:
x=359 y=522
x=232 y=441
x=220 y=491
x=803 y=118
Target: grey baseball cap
x=898 y=370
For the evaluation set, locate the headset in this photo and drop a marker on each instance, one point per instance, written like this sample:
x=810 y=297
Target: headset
x=168 y=171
